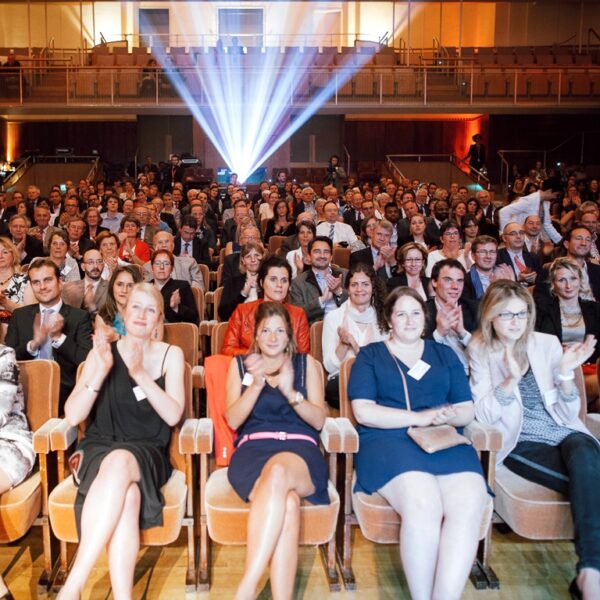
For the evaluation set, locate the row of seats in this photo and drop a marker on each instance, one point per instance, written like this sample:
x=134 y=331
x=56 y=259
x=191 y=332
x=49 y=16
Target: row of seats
x=526 y=55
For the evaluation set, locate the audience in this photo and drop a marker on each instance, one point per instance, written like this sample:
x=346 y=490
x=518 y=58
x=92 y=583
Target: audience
x=90 y=292
x=133 y=249
x=281 y=223
x=412 y=258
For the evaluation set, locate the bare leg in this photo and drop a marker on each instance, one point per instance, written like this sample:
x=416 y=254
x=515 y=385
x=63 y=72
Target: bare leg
x=124 y=545
x=415 y=496
x=463 y=498
x=285 y=557
x=283 y=473
x=101 y=513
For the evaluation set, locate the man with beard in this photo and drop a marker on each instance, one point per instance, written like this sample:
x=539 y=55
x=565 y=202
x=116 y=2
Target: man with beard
x=90 y=292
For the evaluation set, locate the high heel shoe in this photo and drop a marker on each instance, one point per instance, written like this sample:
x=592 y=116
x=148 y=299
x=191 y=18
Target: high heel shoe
x=575 y=591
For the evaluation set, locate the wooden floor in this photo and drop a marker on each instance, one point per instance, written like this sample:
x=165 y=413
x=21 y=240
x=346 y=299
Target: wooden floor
x=527 y=571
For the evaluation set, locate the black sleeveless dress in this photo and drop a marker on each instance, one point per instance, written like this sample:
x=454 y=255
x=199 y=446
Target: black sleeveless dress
x=121 y=422
x=272 y=412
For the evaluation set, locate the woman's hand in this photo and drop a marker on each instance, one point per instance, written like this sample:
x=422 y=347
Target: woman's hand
x=435 y=416
x=134 y=359
x=511 y=365
x=102 y=352
x=286 y=378
x=175 y=300
x=576 y=354
x=250 y=283
x=299 y=262
x=347 y=338
x=255 y=365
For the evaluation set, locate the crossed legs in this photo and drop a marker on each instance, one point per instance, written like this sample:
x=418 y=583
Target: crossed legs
x=274 y=525
x=441 y=518
x=110 y=517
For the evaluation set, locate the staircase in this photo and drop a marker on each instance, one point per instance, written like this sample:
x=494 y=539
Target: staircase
x=441 y=88
x=49 y=87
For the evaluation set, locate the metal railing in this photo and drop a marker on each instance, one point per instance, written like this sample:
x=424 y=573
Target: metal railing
x=16 y=174
x=462 y=85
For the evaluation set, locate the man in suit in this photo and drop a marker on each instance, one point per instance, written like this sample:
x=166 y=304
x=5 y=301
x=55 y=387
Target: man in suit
x=441 y=210
x=320 y=289
x=180 y=306
x=147 y=231
x=186 y=267
x=90 y=292
x=51 y=329
x=172 y=174
x=28 y=247
x=231 y=264
x=525 y=265
x=5 y=214
x=451 y=318
x=188 y=244
x=381 y=255
x=353 y=214
x=42 y=230
x=78 y=243
x=489 y=218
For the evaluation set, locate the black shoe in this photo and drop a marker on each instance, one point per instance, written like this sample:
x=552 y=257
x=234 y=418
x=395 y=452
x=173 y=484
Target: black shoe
x=575 y=591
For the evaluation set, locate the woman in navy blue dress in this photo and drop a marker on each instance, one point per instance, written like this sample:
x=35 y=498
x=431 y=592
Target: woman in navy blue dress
x=275 y=402
x=440 y=497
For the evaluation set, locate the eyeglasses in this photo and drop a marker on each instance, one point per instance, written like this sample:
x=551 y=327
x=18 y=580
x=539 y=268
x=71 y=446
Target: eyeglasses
x=451 y=233
x=509 y=316
x=486 y=252
x=161 y=263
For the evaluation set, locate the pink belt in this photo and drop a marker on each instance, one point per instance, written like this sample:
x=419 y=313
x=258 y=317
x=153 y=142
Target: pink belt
x=275 y=435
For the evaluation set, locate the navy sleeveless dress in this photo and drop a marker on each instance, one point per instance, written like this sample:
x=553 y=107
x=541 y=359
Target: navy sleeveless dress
x=120 y=422
x=272 y=412
x=385 y=453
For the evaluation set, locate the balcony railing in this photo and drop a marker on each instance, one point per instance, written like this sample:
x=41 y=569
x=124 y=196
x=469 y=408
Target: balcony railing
x=453 y=86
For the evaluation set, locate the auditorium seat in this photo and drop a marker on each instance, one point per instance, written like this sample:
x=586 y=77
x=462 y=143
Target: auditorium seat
x=125 y=60
x=497 y=82
x=85 y=83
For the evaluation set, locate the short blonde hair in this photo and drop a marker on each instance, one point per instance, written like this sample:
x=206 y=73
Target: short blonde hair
x=6 y=243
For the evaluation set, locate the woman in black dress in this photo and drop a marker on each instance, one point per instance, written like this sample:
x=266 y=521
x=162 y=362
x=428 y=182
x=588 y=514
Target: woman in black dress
x=133 y=392
x=270 y=391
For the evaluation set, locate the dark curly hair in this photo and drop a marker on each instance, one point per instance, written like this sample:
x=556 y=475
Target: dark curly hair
x=379 y=292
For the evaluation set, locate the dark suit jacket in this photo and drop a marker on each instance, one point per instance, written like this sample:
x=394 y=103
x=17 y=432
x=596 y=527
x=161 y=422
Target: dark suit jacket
x=187 y=312
x=531 y=261
x=85 y=244
x=74 y=291
x=365 y=256
x=231 y=267
x=72 y=352
x=7 y=213
x=169 y=219
x=548 y=319
x=232 y=295
x=433 y=231
x=99 y=230
x=33 y=249
x=470 y=310
x=350 y=218
x=199 y=249
x=401 y=280
x=290 y=243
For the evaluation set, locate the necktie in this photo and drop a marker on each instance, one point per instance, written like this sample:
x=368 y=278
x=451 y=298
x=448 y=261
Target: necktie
x=186 y=249
x=520 y=264
x=46 y=347
x=534 y=246
x=331 y=231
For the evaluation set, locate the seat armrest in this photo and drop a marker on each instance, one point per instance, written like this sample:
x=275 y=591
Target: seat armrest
x=41 y=437
x=483 y=437
x=198 y=377
x=204 y=438
x=63 y=435
x=339 y=436
x=592 y=421
x=187 y=436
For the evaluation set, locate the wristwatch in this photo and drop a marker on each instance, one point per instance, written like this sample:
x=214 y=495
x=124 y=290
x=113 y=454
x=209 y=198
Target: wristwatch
x=298 y=399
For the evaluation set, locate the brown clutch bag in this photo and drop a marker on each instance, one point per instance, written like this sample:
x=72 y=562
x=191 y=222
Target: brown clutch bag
x=434 y=437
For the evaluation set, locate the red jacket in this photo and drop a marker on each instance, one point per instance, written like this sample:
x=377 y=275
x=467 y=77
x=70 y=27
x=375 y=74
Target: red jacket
x=240 y=331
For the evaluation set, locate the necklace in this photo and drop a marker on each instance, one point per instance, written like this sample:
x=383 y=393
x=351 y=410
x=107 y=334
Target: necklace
x=7 y=279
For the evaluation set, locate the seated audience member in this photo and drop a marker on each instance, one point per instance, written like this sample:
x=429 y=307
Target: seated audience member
x=92 y=224
x=281 y=223
x=111 y=219
x=441 y=210
x=535 y=240
x=514 y=371
x=412 y=258
x=337 y=231
x=185 y=269
x=90 y=292
x=188 y=244
x=124 y=455
x=15 y=290
x=266 y=210
x=400 y=227
x=319 y=289
x=204 y=230
x=50 y=328
x=163 y=217
x=367 y=227
x=525 y=265
x=589 y=219
x=469 y=230
x=28 y=246
x=78 y=244
x=563 y=313
x=484 y=269
x=133 y=249
x=440 y=497
x=120 y=284
x=108 y=245
x=169 y=208
x=458 y=211
x=180 y=305
x=42 y=230
x=243 y=287
x=17 y=457
x=70 y=209
x=240 y=211
x=147 y=230
x=291 y=241
x=353 y=214
x=519 y=210
x=451 y=317
x=305 y=202
x=247 y=232
x=299 y=258
x=417 y=228
x=275 y=475
x=356 y=323
x=59 y=255
x=450 y=240
x=155 y=220
x=274 y=283
x=381 y=255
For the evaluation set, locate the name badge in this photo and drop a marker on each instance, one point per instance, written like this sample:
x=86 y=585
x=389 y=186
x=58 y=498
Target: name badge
x=139 y=393
x=418 y=370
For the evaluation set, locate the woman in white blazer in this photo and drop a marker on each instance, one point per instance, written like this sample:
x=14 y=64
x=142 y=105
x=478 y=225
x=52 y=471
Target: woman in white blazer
x=522 y=383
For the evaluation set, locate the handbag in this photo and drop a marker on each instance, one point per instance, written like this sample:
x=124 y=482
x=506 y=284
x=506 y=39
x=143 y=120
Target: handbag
x=432 y=438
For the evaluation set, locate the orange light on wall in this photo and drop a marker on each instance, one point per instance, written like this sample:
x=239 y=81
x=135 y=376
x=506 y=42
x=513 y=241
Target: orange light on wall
x=12 y=140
